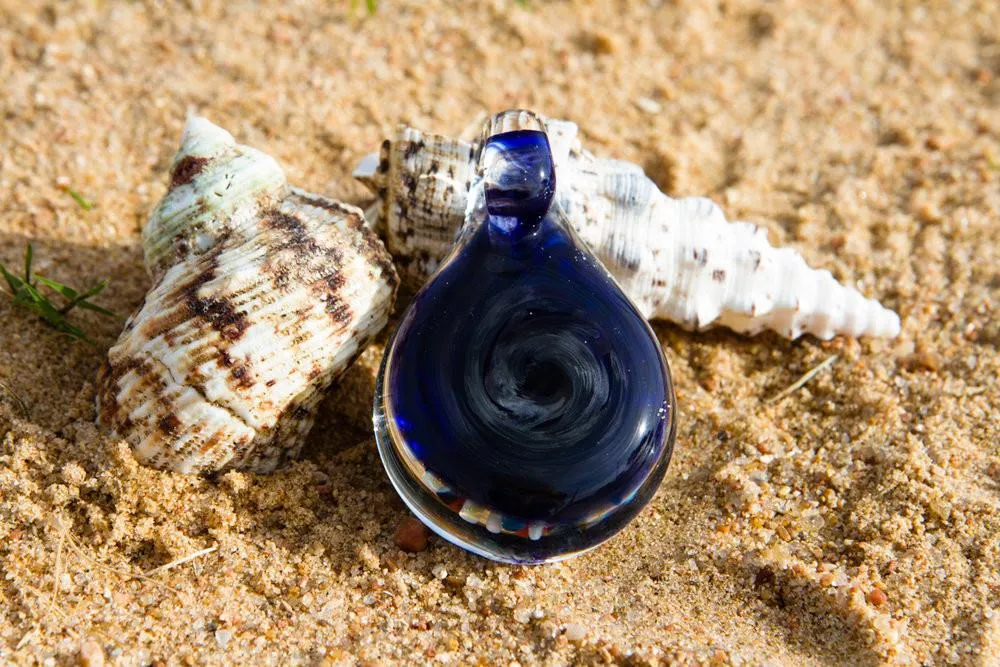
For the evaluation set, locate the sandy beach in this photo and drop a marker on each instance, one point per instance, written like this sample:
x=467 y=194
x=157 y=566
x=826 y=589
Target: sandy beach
x=853 y=521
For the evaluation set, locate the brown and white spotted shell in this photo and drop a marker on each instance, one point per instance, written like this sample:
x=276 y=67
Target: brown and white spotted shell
x=677 y=259
x=255 y=310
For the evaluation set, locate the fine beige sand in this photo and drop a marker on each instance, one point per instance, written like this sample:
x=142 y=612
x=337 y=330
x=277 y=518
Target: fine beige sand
x=855 y=521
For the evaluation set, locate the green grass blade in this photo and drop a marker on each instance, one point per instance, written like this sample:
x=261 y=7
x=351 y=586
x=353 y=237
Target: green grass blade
x=68 y=329
x=55 y=319
x=66 y=292
x=13 y=281
x=74 y=298
x=84 y=203
x=29 y=254
x=86 y=305
x=26 y=294
x=33 y=300
x=95 y=290
x=372 y=6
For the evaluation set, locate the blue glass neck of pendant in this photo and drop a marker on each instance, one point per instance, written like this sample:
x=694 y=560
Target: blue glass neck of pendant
x=519 y=182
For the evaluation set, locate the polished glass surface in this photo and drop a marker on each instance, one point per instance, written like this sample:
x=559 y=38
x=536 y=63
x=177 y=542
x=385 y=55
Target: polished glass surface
x=524 y=408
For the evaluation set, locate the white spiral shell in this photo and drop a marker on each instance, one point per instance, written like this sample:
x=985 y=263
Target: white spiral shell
x=677 y=259
x=263 y=295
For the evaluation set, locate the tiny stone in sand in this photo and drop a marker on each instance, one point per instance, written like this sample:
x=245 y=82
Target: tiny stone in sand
x=411 y=535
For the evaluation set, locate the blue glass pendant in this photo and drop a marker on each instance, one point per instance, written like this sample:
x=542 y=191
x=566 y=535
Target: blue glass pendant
x=524 y=410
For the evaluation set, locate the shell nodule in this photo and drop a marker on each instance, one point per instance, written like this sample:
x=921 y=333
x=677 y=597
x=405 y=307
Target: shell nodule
x=263 y=294
x=524 y=409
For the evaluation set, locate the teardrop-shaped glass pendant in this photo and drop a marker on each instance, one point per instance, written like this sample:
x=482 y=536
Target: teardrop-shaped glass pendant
x=524 y=410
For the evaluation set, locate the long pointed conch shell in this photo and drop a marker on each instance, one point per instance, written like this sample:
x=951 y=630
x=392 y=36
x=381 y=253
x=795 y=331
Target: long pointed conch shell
x=263 y=294
x=677 y=259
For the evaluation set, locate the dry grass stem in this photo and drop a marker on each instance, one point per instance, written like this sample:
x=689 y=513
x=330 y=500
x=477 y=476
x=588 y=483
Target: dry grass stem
x=17 y=399
x=180 y=561
x=802 y=381
x=78 y=550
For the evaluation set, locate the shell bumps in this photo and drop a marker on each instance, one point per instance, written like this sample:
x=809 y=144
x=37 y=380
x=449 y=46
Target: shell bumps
x=263 y=294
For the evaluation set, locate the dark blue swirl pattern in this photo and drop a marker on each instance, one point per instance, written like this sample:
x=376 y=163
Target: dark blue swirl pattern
x=524 y=409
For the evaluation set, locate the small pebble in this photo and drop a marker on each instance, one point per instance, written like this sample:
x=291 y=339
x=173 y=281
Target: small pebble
x=439 y=571
x=929 y=213
x=937 y=142
x=649 y=105
x=73 y=474
x=91 y=654
x=368 y=557
x=877 y=597
x=599 y=42
x=762 y=24
x=576 y=632
x=411 y=535
x=897 y=134
x=922 y=360
x=222 y=637
x=522 y=615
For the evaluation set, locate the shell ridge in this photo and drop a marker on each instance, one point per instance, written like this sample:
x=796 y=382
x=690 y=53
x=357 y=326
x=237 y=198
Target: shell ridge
x=149 y=446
